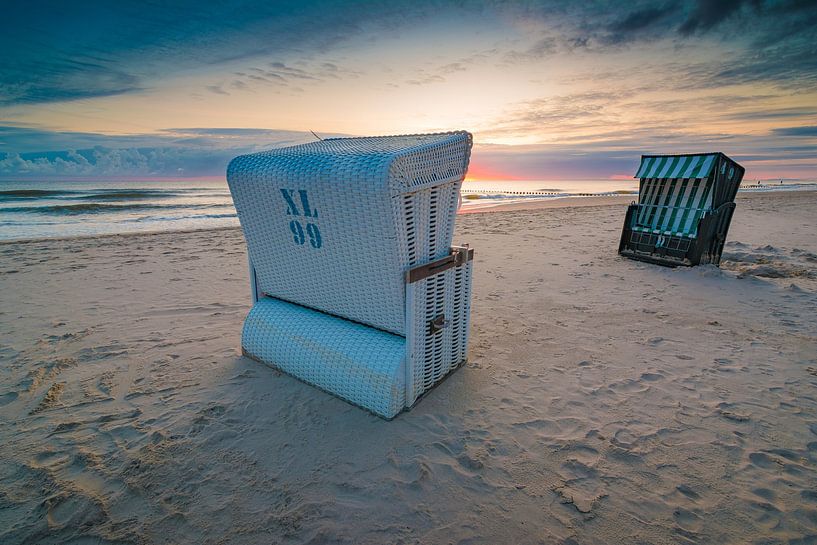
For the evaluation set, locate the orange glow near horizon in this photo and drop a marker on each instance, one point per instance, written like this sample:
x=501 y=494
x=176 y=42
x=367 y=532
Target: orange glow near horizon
x=479 y=172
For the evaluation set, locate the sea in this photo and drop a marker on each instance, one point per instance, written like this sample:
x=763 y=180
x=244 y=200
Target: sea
x=58 y=209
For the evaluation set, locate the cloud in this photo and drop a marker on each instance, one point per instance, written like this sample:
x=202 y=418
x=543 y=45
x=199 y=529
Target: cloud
x=762 y=40
x=634 y=25
x=217 y=89
x=290 y=72
x=541 y=48
x=172 y=152
x=437 y=72
x=100 y=48
x=280 y=74
x=777 y=113
x=807 y=131
x=745 y=61
x=616 y=153
x=424 y=78
x=205 y=151
x=124 y=162
x=792 y=65
x=54 y=82
x=560 y=115
x=708 y=14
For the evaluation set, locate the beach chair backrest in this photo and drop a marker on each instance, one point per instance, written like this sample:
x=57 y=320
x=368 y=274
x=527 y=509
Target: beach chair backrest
x=677 y=190
x=334 y=225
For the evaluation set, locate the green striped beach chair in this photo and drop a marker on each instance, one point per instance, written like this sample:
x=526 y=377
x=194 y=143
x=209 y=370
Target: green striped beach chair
x=685 y=204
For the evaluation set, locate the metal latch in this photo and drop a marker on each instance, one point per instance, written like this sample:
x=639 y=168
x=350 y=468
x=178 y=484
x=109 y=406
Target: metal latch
x=459 y=256
x=438 y=323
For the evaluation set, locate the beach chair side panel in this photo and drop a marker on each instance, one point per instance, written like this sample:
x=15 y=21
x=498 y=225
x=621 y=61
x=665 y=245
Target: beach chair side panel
x=438 y=307
x=440 y=328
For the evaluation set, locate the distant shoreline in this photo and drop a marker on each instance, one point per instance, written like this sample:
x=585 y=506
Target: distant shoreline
x=531 y=204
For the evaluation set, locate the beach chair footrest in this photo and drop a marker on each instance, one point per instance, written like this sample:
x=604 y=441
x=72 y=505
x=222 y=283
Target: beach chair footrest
x=357 y=363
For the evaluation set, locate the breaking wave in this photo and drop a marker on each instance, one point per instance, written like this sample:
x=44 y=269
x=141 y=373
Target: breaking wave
x=97 y=208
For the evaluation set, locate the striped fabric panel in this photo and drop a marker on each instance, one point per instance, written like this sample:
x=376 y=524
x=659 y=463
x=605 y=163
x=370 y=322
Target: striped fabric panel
x=671 y=197
x=660 y=201
x=660 y=188
x=705 y=202
x=683 y=197
x=676 y=166
x=656 y=165
x=670 y=167
x=661 y=166
x=700 y=167
x=706 y=170
x=689 y=225
x=673 y=188
x=693 y=166
x=680 y=167
x=645 y=197
x=646 y=164
x=692 y=197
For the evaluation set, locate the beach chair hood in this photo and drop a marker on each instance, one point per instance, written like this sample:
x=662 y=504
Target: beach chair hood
x=333 y=225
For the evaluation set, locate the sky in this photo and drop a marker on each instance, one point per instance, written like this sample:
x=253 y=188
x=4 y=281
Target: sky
x=551 y=90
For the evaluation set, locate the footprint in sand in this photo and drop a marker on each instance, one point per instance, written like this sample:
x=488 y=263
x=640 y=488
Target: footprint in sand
x=766 y=514
x=469 y=462
x=687 y=520
x=651 y=377
x=687 y=491
x=582 y=454
x=628 y=386
x=205 y=417
x=73 y=510
x=7 y=398
x=763 y=460
x=764 y=493
x=50 y=460
x=728 y=411
x=545 y=427
x=51 y=399
x=809 y=495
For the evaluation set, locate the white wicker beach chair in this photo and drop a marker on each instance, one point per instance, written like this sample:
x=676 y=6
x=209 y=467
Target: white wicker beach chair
x=356 y=287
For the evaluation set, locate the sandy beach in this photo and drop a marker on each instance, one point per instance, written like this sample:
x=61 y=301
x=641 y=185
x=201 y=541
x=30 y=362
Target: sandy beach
x=605 y=400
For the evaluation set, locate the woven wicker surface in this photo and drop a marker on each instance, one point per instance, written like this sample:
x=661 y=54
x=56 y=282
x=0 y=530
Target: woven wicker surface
x=435 y=354
x=360 y=364
x=333 y=225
